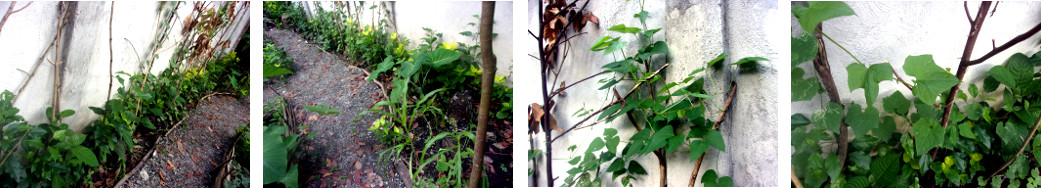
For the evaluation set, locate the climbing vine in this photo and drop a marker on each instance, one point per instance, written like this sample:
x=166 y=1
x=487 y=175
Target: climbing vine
x=948 y=143
x=666 y=115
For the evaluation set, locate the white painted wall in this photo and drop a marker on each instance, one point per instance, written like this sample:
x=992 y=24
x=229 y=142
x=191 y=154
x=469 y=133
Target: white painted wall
x=28 y=33
x=891 y=31
x=696 y=32
x=449 y=18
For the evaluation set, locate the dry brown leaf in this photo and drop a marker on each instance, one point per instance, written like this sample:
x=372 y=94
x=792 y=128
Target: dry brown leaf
x=534 y=117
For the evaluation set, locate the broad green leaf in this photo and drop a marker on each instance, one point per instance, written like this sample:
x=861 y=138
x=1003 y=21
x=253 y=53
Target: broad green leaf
x=1019 y=168
x=860 y=159
x=659 y=139
x=964 y=129
x=928 y=135
x=833 y=166
x=885 y=130
x=596 y=145
x=710 y=179
x=1036 y=148
x=322 y=109
x=441 y=57
x=574 y=161
x=603 y=43
x=636 y=168
x=271 y=70
x=799 y=120
x=1003 y=75
x=618 y=164
x=642 y=16
x=275 y=154
x=386 y=65
x=804 y=89
x=886 y=169
x=819 y=11
x=697 y=148
x=858 y=182
x=930 y=80
x=829 y=119
x=67 y=113
x=85 y=155
x=749 y=60
x=717 y=60
x=615 y=46
x=861 y=121
x=621 y=28
x=861 y=76
x=674 y=143
x=804 y=48
x=715 y=139
x=1020 y=67
x=896 y=103
x=1011 y=135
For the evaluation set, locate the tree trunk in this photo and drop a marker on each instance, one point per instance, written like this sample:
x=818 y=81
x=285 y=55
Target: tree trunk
x=487 y=79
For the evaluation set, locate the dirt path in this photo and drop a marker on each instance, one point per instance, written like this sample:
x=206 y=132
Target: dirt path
x=190 y=154
x=343 y=152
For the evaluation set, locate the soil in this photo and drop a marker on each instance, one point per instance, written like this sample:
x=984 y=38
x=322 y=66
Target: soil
x=189 y=155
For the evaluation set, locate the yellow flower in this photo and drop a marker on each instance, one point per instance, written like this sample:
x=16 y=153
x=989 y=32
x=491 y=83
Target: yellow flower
x=394 y=36
x=449 y=45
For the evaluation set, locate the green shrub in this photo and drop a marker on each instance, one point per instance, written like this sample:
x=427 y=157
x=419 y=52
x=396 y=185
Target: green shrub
x=48 y=154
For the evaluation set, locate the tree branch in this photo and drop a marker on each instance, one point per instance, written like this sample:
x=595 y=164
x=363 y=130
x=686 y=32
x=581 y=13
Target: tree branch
x=966 y=55
x=631 y=91
x=719 y=121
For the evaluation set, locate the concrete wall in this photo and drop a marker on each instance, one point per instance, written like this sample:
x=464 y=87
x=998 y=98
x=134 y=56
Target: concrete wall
x=28 y=33
x=448 y=18
x=891 y=31
x=696 y=31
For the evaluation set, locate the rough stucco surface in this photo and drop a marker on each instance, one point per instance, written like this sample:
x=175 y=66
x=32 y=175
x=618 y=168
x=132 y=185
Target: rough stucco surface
x=891 y=31
x=85 y=75
x=696 y=32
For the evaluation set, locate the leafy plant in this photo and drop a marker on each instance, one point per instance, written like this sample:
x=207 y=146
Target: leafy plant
x=280 y=145
x=957 y=150
x=48 y=154
x=275 y=61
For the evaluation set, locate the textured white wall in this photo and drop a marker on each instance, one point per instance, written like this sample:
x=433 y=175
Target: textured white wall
x=696 y=32
x=448 y=18
x=28 y=33
x=891 y=31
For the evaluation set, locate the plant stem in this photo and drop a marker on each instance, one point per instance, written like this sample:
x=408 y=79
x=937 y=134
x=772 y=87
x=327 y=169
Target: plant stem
x=820 y=64
x=974 y=32
x=112 y=12
x=715 y=126
x=1021 y=148
x=487 y=79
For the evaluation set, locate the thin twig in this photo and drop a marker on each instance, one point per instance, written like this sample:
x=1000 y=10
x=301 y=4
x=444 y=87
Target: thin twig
x=561 y=90
x=715 y=126
x=901 y=80
x=1021 y=148
x=631 y=91
x=111 y=14
x=9 y=12
x=35 y=67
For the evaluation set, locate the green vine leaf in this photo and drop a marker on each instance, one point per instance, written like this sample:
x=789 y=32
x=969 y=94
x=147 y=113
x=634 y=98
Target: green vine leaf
x=806 y=89
x=930 y=80
x=861 y=121
x=896 y=103
x=928 y=135
x=818 y=12
x=861 y=76
x=885 y=130
x=886 y=169
x=830 y=118
x=710 y=179
x=621 y=28
x=85 y=155
x=715 y=139
x=697 y=148
x=636 y=168
x=804 y=48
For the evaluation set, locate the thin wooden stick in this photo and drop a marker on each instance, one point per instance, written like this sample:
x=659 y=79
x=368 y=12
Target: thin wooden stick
x=111 y=14
x=9 y=12
x=1021 y=148
x=715 y=126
